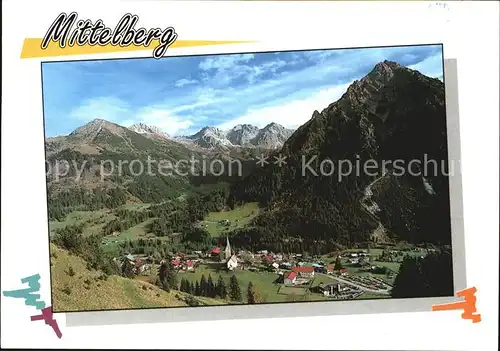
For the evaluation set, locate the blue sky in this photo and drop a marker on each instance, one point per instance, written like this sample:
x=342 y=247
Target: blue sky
x=183 y=94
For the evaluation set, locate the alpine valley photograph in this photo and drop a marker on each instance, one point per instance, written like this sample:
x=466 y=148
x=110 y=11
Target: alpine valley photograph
x=248 y=178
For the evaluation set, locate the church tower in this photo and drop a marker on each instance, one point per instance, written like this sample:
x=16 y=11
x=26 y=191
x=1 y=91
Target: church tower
x=228 y=252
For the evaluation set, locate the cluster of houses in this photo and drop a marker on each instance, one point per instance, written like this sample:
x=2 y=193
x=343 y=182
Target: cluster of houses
x=357 y=255
x=269 y=261
x=292 y=273
x=183 y=265
x=291 y=268
x=139 y=264
x=248 y=260
x=230 y=259
x=143 y=264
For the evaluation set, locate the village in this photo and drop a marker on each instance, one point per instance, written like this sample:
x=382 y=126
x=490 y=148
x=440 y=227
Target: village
x=347 y=275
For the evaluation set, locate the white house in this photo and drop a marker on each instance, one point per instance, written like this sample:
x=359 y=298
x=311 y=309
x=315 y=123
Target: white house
x=290 y=278
x=232 y=263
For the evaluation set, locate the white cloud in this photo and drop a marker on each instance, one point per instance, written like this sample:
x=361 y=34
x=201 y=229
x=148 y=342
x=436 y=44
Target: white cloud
x=290 y=114
x=220 y=71
x=108 y=108
x=165 y=120
x=253 y=72
x=183 y=82
x=432 y=66
x=224 y=61
x=409 y=57
x=203 y=97
x=320 y=56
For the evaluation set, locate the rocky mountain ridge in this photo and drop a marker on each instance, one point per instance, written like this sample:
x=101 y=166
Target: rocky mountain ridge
x=272 y=136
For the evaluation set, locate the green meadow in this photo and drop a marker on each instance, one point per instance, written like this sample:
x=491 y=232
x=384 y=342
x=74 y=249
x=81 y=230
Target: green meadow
x=237 y=218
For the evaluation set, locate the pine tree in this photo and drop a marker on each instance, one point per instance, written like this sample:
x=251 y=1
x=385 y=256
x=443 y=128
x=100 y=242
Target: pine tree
x=203 y=286
x=210 y=287
x=250 y=293
x=234 y=289
x=168 y=273
x=197 y=289
x=221 y=288
x=162 y=272
x=172 y=277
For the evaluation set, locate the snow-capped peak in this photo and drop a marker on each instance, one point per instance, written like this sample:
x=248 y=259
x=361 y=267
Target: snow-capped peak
x=271 y=136
x=147 y=129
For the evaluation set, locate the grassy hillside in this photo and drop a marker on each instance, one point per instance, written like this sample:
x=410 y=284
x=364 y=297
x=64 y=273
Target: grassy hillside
x=79 y=289
x=92 y=221
x=237 y=218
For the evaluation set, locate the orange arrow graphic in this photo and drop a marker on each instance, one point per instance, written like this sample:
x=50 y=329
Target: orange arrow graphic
x=468 y=305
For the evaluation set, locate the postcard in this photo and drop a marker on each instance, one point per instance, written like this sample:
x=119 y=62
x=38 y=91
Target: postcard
x=264 y=177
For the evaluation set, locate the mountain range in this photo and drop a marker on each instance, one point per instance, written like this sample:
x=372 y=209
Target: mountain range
x=272 y=136
x=393 y=113
x=99 y=142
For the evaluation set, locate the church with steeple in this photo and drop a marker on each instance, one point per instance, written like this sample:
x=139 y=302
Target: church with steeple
x=231 y=261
